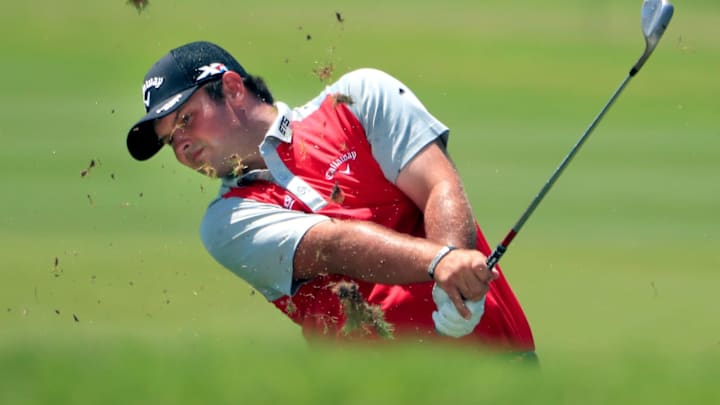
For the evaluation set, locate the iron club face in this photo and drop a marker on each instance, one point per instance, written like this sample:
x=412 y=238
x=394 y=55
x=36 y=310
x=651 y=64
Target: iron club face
x=655 y=16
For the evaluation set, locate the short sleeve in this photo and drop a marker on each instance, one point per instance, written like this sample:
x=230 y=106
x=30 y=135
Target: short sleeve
x=256 y=241
x=396 y=123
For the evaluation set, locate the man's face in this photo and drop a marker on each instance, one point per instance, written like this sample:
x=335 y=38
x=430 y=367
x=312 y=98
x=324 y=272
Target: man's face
x=206 y=135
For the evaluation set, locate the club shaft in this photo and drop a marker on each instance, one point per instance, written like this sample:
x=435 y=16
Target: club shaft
x=499 y=251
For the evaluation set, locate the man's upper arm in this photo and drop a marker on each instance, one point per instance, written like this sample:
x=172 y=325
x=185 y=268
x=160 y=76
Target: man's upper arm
x=428 y=168
x=256 y=241
x=396 y=123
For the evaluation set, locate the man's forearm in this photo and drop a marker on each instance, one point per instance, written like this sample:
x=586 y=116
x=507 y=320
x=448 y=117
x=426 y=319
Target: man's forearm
x=369 y=252
x=448 y=216
x=364 y=251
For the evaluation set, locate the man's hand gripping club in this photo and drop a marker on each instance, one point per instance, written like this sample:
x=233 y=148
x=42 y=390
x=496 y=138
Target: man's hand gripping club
x=462 y=280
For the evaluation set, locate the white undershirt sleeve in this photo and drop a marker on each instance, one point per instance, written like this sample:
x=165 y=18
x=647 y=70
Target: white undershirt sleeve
x=256 y=241
x=396 y=123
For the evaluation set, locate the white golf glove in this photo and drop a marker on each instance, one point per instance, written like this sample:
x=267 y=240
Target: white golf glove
x=448 y=321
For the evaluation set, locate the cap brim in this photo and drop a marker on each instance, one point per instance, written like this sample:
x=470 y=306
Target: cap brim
x=142 y=141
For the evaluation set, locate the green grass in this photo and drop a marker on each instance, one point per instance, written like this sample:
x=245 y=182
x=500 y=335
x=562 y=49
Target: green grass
x=106 y=295
x=222 y=370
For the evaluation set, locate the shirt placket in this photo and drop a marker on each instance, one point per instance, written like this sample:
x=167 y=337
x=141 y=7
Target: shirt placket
x=283 y=177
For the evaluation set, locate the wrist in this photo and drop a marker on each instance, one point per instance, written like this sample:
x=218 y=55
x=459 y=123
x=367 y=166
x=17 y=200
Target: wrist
x=436 y=260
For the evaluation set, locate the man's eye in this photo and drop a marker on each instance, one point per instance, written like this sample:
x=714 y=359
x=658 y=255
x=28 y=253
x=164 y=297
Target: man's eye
x=185 y=120
x=182 y=123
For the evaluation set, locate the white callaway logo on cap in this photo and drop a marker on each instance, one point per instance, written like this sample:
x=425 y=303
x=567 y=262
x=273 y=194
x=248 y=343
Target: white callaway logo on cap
x=155 y=82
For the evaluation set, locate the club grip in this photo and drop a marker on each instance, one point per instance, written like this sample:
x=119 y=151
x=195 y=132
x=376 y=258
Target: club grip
x=495 y=256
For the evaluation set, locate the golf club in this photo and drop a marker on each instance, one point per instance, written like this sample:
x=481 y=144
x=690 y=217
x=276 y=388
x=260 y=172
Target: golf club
x=655 y=17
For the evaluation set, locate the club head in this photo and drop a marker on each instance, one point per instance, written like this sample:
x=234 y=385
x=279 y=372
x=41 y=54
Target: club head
x=655 y=17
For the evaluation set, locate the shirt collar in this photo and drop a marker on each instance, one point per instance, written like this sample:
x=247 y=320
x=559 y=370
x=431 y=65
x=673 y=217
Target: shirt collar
x=253 y=175
x=280 y=128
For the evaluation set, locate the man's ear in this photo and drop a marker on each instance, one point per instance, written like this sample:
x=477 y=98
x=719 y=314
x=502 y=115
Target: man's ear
x=234 y=88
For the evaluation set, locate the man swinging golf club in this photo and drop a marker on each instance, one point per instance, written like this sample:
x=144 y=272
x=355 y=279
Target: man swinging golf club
x=355 y=186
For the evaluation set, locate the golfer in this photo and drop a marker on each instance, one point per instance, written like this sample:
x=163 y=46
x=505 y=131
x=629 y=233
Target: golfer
x=353 y=188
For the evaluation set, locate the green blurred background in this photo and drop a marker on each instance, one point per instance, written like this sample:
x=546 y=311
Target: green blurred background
x=107 y=296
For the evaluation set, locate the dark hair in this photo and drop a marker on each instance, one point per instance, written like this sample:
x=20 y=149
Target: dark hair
x=255 y=84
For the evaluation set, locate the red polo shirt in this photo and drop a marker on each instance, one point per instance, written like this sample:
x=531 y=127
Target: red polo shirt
x=323 y=162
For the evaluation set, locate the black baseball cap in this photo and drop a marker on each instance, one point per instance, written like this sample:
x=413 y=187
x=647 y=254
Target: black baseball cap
x=170 y=82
